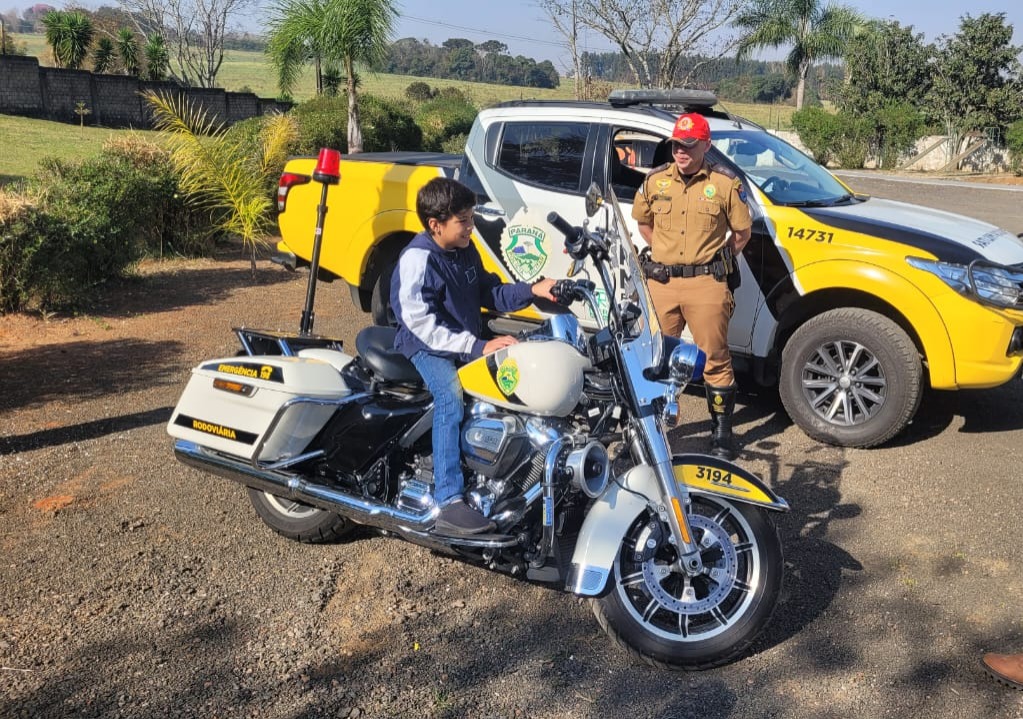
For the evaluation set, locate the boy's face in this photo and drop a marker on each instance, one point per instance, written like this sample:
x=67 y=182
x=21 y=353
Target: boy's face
x=455 y=232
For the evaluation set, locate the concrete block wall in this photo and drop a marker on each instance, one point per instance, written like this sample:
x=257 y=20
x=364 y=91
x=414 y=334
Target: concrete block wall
x=112 y=100
x=21 y=92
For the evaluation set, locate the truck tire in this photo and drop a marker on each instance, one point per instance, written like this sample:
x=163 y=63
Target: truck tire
x=851 y=377
x=380 y=302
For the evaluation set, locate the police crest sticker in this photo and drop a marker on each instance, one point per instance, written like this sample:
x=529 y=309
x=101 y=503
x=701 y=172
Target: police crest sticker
x=508 y=376
x=524 y=251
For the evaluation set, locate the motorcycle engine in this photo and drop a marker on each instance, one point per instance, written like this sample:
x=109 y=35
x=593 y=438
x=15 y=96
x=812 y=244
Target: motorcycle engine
x=493 y=444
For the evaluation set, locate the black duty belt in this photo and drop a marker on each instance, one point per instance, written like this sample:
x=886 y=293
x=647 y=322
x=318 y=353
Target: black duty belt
x=711 y=268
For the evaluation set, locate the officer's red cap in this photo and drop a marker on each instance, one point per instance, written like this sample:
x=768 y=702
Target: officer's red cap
x=691 y=128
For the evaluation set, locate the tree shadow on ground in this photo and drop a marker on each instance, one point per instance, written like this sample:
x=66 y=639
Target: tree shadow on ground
x=175 y=287
x=79 y=371
x=14 y=444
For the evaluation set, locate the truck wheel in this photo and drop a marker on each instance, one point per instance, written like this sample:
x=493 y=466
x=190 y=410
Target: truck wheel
x=380 y=302
x=850 y=377
x=298 y=521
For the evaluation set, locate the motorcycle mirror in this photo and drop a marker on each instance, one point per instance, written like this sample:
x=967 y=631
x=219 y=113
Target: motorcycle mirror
x=594 y=199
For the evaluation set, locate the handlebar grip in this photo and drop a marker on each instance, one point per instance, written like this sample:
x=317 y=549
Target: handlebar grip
x=561 y=225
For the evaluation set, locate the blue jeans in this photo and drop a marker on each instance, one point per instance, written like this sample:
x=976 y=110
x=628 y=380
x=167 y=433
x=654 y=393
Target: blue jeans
x=441 y=377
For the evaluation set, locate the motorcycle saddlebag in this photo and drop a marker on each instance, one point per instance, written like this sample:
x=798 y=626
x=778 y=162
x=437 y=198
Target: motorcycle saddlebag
x=228 y=404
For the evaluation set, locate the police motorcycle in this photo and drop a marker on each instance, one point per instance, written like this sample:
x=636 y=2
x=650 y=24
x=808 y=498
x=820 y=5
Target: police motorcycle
x=564 y=446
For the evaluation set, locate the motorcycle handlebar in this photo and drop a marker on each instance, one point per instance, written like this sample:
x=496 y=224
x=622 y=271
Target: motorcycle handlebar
x=575 y=239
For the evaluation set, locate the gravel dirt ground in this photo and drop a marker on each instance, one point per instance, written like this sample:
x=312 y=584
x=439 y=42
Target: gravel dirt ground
x=133 y=586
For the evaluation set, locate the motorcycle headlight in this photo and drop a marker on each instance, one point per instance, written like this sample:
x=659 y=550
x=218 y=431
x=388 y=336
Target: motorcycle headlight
x=686 y=363
x=991 y=284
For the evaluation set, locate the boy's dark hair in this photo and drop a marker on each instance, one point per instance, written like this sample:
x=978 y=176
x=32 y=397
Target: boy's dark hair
x=441 y=198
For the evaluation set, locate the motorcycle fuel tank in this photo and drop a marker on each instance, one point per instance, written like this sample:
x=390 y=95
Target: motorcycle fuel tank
x=543 y=378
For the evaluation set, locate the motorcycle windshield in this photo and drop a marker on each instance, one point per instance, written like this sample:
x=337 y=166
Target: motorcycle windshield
x=647 y=341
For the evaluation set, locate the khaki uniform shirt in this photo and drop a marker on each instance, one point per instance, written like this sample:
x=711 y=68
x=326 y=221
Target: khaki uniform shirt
x=690 y=220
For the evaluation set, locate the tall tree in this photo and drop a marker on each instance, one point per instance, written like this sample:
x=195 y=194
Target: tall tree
x=564 y=17
x=69 y=35
x=194 y=30
x=656 y=36
x=103 y=55
x=347 y=33
x=884 y=62
x=978 y=82
x=128 y=51
x=815 y=31
x=157 y=58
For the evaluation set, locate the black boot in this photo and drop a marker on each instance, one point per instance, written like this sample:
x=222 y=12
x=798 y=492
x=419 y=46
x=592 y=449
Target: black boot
x=721 y=403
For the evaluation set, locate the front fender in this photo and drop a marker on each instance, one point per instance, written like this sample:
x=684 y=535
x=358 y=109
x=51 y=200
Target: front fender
x=625 y=499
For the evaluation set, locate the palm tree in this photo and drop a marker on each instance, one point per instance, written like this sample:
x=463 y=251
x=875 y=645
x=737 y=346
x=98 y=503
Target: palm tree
x=157 y=58
x=128 y=49
x=216 y=172
x=815 y=31
x=69 y=34
x=103 y=55
x=343 y=33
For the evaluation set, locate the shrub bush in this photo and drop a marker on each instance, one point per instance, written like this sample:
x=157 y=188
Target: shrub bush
x=82 y=223
x=840 y=137
x=443 y=118
x=419 y=91
x=323 y=122
x=1014 y=141
x=820 y=132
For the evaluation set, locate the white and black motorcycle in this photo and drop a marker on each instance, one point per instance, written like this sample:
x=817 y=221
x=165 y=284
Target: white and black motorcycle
x=564 y=448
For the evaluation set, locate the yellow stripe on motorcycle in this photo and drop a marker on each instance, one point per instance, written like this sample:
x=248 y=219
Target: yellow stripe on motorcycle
x=478 y=378
x=710 y=475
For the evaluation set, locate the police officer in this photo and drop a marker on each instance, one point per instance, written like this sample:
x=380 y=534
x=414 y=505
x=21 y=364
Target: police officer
x=685 y=210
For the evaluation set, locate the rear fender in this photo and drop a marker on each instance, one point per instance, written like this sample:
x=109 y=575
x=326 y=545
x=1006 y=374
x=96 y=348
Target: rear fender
x=626 y=498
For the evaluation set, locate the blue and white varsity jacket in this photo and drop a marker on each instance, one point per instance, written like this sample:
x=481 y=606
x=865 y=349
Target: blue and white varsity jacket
x=437 y=294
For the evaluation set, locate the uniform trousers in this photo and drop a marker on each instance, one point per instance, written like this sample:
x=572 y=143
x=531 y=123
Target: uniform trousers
x=706 y=306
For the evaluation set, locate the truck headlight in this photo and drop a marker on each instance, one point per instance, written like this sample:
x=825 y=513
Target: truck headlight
x=988 y=283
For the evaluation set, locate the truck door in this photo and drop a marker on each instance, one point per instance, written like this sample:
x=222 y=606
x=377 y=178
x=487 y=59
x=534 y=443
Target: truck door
x=522 y=170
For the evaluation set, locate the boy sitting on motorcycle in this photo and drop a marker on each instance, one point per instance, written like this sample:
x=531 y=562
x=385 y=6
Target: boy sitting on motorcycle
x=437 y=291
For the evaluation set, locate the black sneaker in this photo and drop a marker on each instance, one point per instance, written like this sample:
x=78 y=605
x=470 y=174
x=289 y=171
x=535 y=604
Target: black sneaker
x=457 y=519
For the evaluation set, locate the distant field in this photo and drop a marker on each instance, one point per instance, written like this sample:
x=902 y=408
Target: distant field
x=251 y=70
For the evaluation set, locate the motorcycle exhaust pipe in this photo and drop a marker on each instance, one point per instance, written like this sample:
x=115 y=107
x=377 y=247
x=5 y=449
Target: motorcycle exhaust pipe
x=290 y=486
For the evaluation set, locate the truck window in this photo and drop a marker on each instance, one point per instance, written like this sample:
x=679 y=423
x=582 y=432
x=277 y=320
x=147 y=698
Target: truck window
x=549 y=154
x=632 y=155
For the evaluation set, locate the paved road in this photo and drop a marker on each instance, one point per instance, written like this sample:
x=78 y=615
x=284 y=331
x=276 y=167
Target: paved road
x=135 y=587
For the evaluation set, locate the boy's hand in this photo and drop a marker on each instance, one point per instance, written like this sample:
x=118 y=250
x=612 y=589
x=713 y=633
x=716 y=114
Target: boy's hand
x=499 y=343
x=543 y=289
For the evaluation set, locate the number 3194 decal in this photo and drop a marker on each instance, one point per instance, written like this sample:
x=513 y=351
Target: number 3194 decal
x=805 y=233
x=718 y=476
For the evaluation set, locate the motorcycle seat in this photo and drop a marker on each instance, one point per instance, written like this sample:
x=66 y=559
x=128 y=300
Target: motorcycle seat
x=376 y=347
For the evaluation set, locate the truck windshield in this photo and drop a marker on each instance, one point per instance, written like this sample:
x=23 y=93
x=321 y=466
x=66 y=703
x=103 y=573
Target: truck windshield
x=783 y=173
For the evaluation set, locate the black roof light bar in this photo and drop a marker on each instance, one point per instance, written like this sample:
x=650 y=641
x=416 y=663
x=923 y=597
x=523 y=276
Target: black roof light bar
x=675 y=97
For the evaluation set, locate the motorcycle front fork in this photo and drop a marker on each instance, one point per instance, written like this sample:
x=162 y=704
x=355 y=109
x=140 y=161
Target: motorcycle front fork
x=673 y=504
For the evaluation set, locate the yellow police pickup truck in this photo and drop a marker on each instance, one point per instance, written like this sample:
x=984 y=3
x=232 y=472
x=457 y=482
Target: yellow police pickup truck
x=851 y=304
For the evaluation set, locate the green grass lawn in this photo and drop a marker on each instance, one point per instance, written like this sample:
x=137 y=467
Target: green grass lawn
x=27 y=141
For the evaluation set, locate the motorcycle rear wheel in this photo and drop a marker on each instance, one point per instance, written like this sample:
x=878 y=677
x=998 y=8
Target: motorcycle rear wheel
x=661 y=616
x=298 y=521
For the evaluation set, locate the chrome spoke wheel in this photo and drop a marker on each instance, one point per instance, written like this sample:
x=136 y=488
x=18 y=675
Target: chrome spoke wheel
x=844 y=383
x=679 y=608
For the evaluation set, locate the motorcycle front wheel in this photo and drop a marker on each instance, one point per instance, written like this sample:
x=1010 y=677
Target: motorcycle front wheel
x=298 y=521
x=662 y=616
